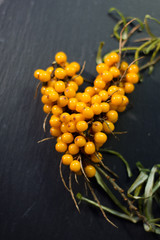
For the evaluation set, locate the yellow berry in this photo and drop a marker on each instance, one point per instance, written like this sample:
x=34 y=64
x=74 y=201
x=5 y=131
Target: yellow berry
x=104 y=107
x=80 y=106
x=72 y=103
x=100 y=68
x=88 y=113
x=70 y=70
x=100 y=137
x=61 y=147
x=96 y=108
x=129 y=87
x=82 y=126
x=76 y=65
x=70 y=92
x=55 y=121
x=97 y=126
x=60 y=73
x=133 y=69
x=89 y=148
x=96 y=157
x=90 y=91
x=108 y=127
x=107 y=76
x=114 y=71
x=73 y=149
x=75 y=166
x=73 y=85
x=67 y=159
x=50 y=69
x=47 y=108
x=103 y=94
x=85 y=97
x=55 y=132
x=71 y=127
x=60 y=57
x=80 y=141
x=124 y=66
x=96 y=99
x=78 y=79
x=67 y=137
x=132 y=77
x=62 y=101
x=90 y=170
x=112 y=116
x=56 y=110
x=60 y=86
x=116 y=99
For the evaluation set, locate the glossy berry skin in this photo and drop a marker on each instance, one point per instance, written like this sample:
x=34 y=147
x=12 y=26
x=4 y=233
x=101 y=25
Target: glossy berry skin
x=60 y=73
x=73 y=149
x=116 y=99
x=53 y=96
x=89 y=148
x=78 y=96
x=42 y=75
x=108 y=61
x=64 y=128
x=70 y=70
x=67 y=137
x=124 y=66
x=72 y=103
x=88 y=113
x=56 y=110
x=67 y=159
x=108 y=127
x=50 y=69
x=61 y=147
x=90 y=91
x=80 y=106
x=112 y=89
x=121 y=108
x=129 y=87
x=114 y=57
x=55 y=121
x=60 y=57
x=132 y=78
x=78 y=79
x=70 y=92
x=73 y=85
x=80 y=141
x=100 y=137
x=45 y=99
x=71 y=127
x=85 y=97
x=100 y=68
x=96 y=99
x=90 y=171
x=43 y=89
x=52 y=83
x=125 y=101
x=107 y=76
x=96 y=157
x=133 y=69
x=76 y=66
x=62 y=101
x=78 y=117
x=75 y=166
x=99 y=83
x=114 y=71
x=82 y=126
x=55 y=132
x=112 y=116
x=97 y=126
x=105 y=107
x=103 y=94
x=47 y=108
x=60 y=86
x=96 y=108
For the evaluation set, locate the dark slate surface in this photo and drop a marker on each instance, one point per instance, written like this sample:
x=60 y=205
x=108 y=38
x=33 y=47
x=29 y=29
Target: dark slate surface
x=33 y=201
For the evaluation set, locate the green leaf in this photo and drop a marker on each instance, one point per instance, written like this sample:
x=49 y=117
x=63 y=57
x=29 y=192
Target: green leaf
x=139 y=21
x=109 y=210
x=99 y=53
x=156 y=186
x=110 y=194
x=119 y=156
x=147 y=26
x=141 y=168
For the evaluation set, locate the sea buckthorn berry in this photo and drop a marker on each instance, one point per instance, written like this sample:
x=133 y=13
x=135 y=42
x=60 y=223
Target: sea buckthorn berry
x=99 y=83
x=107 y=76
x=124 y=66
x=71 y=127
x=114 y=57
x=73 y=149
x=78 y=79
x=65 y=117
x=44 y=76
x=76 y=65
x=133 y=69
x=73 y=85
x=90 y=91
x=53 y=96
x=43 y=89
x=52 y=83
x=73 y=117
x=78 y=117
x=70 y=70
x=55 y=132
x=80 y=141
x=121 y=108
x=49 y=90
x=112 y=116
x=80 y=106
x=78 y=96
x=59 y=139
x=112 y=89
x=67 y=159
x=64 y=128
x=103 y=94
x=105 y=107
x=60 y=73
x=56 y=110
x=116 y=99
x=50 y=69
x=100 y=137
x=132 y=78
x=129 y=87
x=96 y=157
x=60 y=57
x=108 y=127
x=82 y=126
x=62 y=101
x=100 y=68
x=108 y=61
x=72 y=102
x=70 y=92
x=61 y=147
x=125 y=101
x=75 y=166
x=67 y=137
x=37 y=73
x=45 y=99
x=90 y=170
x=96 y=108
x=55 y=121
x=85 y=97
x=96 y=99
x=89 y=148
x=88 y=113
x=97 y=126
x=112 y=106
x=115 y=72
x=47 y=108
x=60 y=86
x=97 y=90
x=121 y=90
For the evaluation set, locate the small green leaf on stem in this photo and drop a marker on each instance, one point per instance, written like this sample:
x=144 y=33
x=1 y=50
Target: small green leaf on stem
x=99 y=53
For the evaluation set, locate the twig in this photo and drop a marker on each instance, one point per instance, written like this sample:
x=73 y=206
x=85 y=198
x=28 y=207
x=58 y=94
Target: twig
x=71 y=191
x=45 y=139
x=130 y=34
x=44 y=122
x=83 y=67
x=36 y=91
x=62 y=178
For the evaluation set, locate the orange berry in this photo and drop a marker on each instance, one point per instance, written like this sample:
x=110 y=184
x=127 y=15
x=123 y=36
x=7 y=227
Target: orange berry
x=50 y=69
x=56 y=110
x=80 y=141
x=132 y=78
x=70 y=92
x=100 y=68
x=71 y=127
x=61 y=147
x=99 y=83
x=116 y=99
x=96 y=108
x=88 y=113
x=53 y=96
x=112 y=116
x=112 y=89
x=82 y=126
x=72 y=103
x=49 y=90
x=121 y=90
x=55 y=132
x=96 y=157
x=45 y=99
x=62 y=101
x=96 y=99
x=73 y=85
x=97 y=90
x=103 y=94
x=104 y=107
x=60 y=86
x=85 y=97
x=75 y=166
x=107 y=76
x=97 y=126
x=125 y=101
x=42 y=75
x=59 y=139
x=112 y=106
x=77 y=117
x=60 y=57
x=124 y=66
x=121 y=108
x=129 y=87
x=60 y=73
x=89 y=148
x=67 y=137
x=114 y=57
x=67 y=159
x=108 y=127
x=65 y=117
x=43 y=89
x=37 y=73
x=78 y=96
x=73 y=149
x=133 y=69
x=90 y=170
x=78 y=79
x=80 y=106
x=76 y=65
x=55 y=121
x=70 y=70
x=47 y=108
x=52 y=83
x=100 y=137
x=64 y=128
x=108 y=61
x=90 y=91
x=114 y=71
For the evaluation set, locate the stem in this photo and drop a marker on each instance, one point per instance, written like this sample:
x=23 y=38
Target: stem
x=149 y=64
x=141 y=48
x=123 y=50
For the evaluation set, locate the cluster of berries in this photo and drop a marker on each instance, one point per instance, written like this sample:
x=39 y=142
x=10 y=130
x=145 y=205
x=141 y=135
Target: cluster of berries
x=81 y=121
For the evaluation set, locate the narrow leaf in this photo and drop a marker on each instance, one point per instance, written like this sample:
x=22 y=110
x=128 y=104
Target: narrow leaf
x=99 y=53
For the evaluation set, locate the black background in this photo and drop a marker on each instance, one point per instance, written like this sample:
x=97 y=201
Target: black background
x=33 y=201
